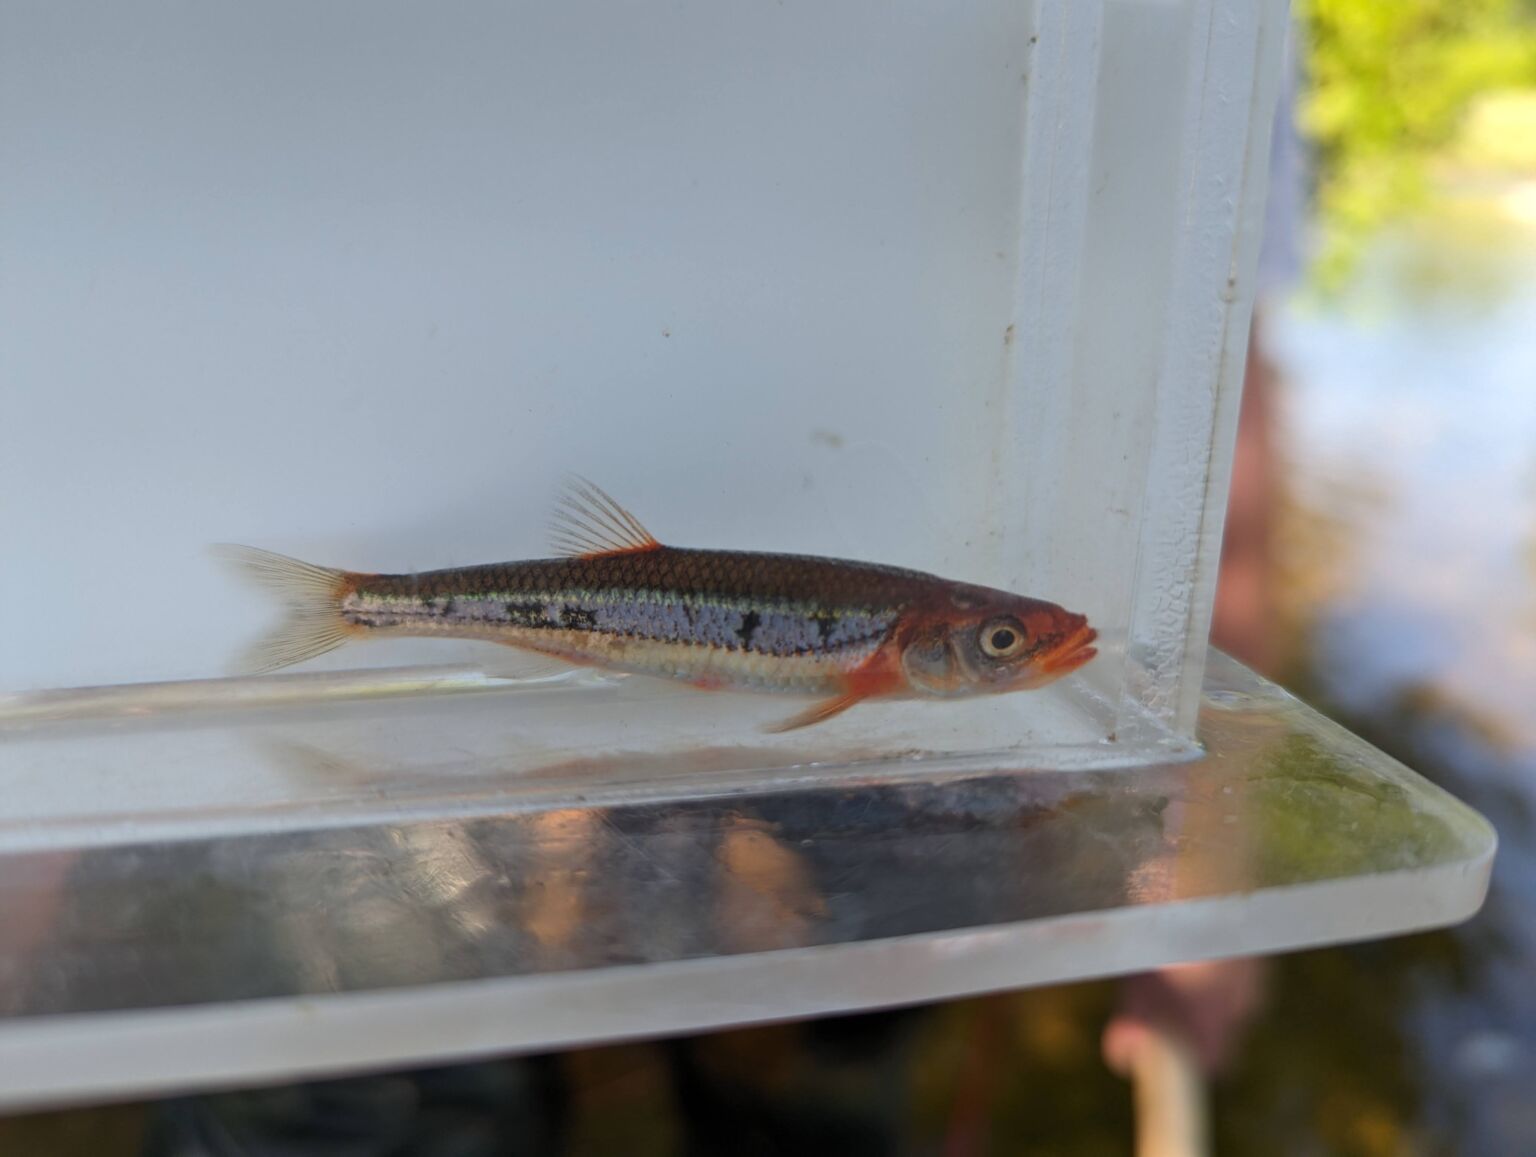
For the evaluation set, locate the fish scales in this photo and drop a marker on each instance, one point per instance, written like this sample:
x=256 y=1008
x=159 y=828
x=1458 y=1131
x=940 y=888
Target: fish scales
x=777 y=605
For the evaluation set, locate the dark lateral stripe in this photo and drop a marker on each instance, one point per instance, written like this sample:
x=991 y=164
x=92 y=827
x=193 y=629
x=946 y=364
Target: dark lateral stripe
x=762 y=630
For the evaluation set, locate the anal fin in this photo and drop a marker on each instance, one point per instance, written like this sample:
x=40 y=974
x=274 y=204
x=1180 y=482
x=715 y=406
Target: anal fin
x=518 y=663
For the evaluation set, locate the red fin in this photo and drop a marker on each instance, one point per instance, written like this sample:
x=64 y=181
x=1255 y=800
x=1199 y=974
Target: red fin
x=817 y=712
x=879 y=676
x=587 y=523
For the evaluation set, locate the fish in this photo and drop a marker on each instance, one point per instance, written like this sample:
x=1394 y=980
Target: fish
x=617 y=599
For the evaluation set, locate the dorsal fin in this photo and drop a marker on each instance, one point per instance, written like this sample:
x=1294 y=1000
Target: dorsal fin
x=588 y=523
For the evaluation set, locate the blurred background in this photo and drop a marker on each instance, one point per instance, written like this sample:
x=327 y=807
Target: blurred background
x=1380 y=561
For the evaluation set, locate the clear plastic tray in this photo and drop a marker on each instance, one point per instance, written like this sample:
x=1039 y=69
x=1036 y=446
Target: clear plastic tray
x=416 y=900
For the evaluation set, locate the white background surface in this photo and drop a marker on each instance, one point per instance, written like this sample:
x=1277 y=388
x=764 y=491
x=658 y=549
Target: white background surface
x=359 y=281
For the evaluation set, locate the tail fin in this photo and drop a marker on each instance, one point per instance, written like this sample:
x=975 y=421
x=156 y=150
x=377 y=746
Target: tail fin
x=312 y=595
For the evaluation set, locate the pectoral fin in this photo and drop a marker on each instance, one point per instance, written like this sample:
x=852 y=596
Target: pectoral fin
x=817 y=712
x=879 y=676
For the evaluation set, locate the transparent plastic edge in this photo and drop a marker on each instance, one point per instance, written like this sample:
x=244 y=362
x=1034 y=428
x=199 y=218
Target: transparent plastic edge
x=56 y=1060
x=1232 y=98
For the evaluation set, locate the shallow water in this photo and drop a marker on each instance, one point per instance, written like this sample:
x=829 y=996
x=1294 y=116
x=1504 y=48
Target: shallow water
x=1410 y=559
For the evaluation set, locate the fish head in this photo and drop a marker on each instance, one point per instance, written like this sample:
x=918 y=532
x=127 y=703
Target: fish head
x=981 y=642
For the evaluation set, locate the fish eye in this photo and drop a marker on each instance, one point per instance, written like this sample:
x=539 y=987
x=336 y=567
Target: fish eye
x=1002 y=638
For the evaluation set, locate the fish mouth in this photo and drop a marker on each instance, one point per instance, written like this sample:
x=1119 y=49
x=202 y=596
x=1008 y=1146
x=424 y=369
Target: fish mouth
x=1071 y=653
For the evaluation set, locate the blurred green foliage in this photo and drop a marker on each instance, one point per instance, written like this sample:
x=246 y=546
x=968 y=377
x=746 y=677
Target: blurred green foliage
x=1390 y=83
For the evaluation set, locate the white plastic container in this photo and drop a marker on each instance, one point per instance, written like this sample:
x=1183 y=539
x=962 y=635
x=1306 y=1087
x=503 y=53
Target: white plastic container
x=963 y=289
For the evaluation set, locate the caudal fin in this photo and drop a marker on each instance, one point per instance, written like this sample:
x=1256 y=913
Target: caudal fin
x=312 y=597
